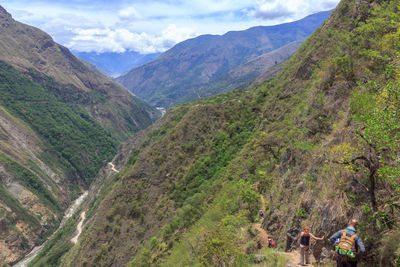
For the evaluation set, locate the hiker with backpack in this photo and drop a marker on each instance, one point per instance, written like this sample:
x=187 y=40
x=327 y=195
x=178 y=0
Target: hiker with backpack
x=271 y=242
x=347 y=245
x=304 y=242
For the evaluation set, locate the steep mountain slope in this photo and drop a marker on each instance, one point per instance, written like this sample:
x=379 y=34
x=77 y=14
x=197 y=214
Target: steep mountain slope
x=30 y=50
x=191 y=64
x=116 y=64
x=59 y=124
x=244 y=74
x=320 y=142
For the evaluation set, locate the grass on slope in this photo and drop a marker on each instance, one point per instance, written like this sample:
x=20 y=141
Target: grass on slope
x=298 y=146
x=311 y=165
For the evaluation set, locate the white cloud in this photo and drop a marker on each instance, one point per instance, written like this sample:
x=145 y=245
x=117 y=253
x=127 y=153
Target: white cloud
x=129 y=13
x=121 y=40
x=152 y=26
x=270 y=10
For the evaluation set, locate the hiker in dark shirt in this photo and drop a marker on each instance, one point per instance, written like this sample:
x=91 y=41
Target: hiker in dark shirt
x=304 y=242
x=357 y=247
x=261 y=213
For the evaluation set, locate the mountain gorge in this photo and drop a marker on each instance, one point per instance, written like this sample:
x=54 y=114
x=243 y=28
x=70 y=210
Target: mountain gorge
x=320 y=143
x=179 y=74
x=59 y=124
x=316 y=145
x=116 y=64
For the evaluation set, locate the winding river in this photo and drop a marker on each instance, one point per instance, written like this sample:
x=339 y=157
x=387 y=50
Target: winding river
x=71 y=210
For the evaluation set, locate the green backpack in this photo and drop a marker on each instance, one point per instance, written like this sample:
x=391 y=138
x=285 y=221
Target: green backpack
x=346 y=245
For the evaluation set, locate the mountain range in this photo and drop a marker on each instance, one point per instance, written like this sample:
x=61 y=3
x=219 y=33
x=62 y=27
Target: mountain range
x=116 y=64
x=316 y=145
x=266 y=65
x=180 y=73
x=60 y=123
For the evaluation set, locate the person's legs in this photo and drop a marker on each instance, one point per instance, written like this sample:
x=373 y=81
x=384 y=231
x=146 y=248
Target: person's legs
x=302 y=255
x=339 y=261
x=346 y=263
x=307 y=254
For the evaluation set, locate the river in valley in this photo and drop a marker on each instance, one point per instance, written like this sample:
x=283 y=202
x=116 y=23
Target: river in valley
x=36 y=250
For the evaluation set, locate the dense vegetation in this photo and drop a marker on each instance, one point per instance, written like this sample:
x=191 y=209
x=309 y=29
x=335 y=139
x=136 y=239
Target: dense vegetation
x=71 y=142
x=60 y=123
x=73 y=138
x=320 y=142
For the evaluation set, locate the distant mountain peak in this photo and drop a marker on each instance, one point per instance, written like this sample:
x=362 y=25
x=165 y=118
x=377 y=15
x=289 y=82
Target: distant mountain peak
x=182 y=72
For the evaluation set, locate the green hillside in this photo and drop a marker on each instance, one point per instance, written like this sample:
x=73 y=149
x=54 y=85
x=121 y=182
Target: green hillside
x=72 y=136
x=72 y=143
x=320 y=142
x=60 y=123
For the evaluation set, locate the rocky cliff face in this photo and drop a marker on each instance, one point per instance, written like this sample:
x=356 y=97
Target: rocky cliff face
x=59 y=123
x=179 y=74
x=319 y=142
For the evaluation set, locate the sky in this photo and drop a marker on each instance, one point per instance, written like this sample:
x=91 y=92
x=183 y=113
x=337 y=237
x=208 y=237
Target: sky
x=151 y=26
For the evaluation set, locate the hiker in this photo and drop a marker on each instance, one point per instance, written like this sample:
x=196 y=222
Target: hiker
x=347 y=245
x=304 y=242
x=271 y=242
x=261 y=213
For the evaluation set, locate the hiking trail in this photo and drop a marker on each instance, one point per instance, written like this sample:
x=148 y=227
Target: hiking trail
x=113 y=167
x=293 y=256
x=262 y=234
x=79 y=228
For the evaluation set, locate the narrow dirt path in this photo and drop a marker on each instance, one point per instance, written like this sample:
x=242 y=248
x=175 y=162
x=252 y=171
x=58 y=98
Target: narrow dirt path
x=293 y=256
x=113 y=167
x=262 y=202
x=262 y=234
x=79 y=228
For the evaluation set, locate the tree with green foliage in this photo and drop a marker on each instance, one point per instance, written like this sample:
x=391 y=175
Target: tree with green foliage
x=249 y=196
x=218 y=248
x=377 y=110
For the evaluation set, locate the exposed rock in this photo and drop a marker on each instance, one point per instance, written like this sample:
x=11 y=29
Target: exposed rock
x=305 y=70
x=292 y=235
x=288 y=160
x=259 y=258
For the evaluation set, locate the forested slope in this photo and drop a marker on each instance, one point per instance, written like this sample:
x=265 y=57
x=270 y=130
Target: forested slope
x=321 y=141
x=59 y=124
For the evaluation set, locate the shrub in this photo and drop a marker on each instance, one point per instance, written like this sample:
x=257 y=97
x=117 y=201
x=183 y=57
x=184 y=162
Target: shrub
x=218 y=248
